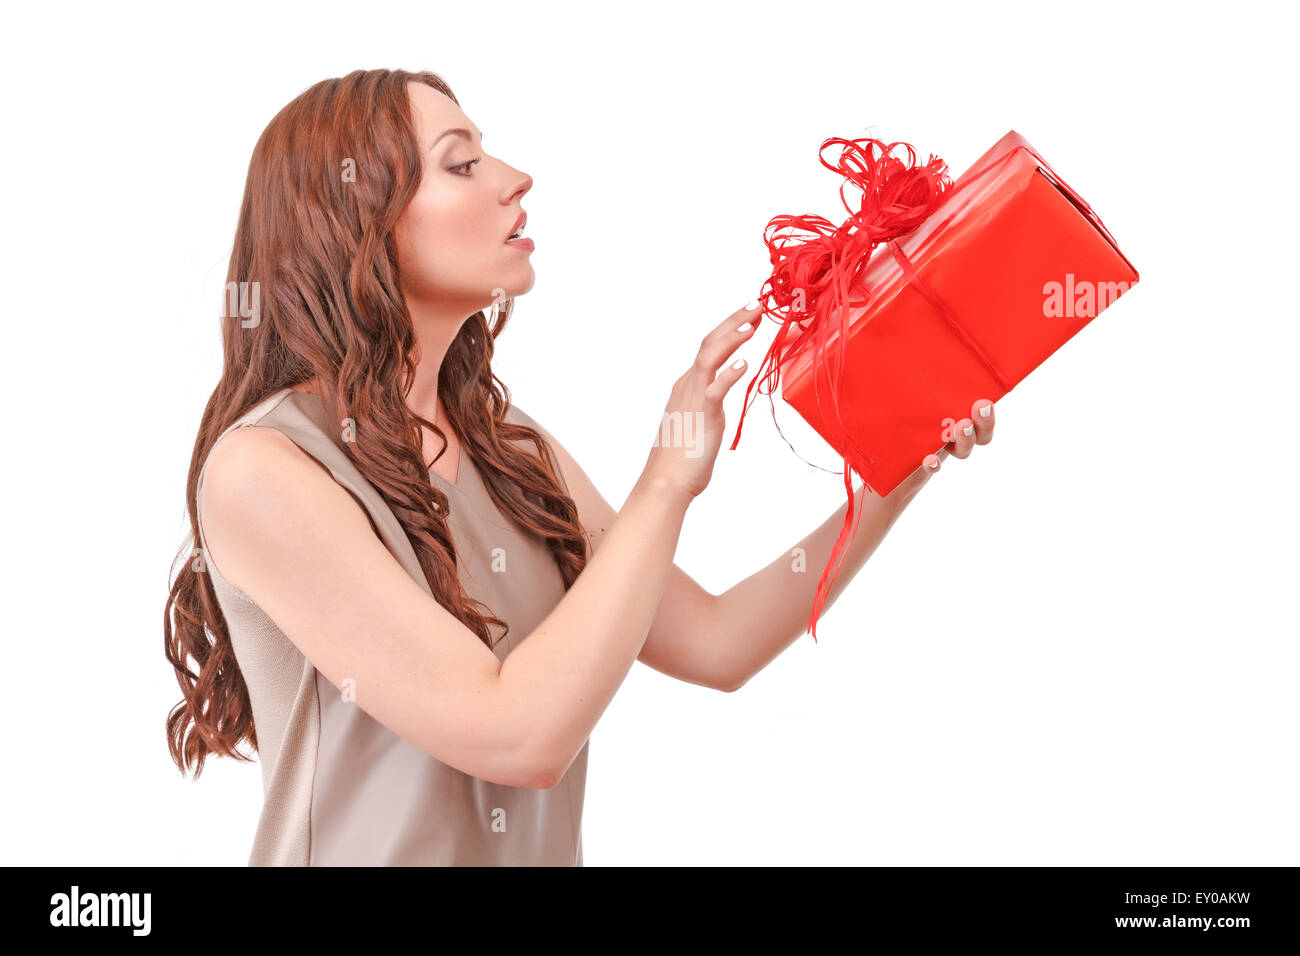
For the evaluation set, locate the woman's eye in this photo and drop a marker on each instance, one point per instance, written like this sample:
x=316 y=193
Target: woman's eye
x=464 y=166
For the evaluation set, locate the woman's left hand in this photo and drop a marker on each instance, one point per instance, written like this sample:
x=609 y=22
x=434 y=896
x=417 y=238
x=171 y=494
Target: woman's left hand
x=962 y=436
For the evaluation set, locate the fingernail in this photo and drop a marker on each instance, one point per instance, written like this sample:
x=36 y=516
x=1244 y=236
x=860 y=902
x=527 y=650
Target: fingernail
x=985 y=411
x=746 y=327
x=753 y=305
x=968 y=430
x=739 y=363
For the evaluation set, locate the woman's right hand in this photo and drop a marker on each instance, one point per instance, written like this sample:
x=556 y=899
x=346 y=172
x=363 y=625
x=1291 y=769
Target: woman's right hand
x=691 y=430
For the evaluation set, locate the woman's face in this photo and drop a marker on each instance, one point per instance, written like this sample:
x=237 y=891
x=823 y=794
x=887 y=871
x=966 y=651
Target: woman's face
x=452 y=238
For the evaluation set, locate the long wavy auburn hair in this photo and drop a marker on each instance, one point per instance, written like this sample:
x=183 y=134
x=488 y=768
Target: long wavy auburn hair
x=322 y=249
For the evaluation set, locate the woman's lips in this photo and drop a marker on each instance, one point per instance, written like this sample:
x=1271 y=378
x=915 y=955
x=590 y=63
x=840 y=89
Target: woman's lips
x=519 y=225
x=524 y=243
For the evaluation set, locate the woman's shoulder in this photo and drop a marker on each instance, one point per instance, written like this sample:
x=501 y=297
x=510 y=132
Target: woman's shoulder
x=251 y=454
x=517 y=416
x=264 y=454
x=255 y=439
x=264 y=498
x=247 y=468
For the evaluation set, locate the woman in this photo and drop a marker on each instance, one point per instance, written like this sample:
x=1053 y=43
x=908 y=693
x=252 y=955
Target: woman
x=419 y=652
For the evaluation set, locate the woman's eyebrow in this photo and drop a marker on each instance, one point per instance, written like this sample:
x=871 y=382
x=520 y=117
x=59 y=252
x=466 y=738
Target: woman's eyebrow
x=455 y=129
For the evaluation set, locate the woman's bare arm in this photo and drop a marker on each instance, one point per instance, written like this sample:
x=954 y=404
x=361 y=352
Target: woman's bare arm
x=759 y=617
x=721 y=640
x=278 y=527
x=756 y=619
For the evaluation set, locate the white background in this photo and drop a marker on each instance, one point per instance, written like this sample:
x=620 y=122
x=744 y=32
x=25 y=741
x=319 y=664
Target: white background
x=1076 y=647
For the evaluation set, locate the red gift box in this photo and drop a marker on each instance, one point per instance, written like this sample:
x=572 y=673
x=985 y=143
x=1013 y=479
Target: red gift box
x=1007 y=264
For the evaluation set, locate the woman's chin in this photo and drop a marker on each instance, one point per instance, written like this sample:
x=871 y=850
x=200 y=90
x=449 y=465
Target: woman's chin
x=521 y=285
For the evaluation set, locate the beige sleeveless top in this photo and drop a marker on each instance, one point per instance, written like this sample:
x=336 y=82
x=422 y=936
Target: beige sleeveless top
x=341 y=789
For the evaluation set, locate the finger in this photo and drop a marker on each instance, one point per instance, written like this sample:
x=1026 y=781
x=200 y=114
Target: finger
x=726 y=338
x=749 y=313
x=931 y=463
x=982 y=415
x=728 y=377
x=963 y=438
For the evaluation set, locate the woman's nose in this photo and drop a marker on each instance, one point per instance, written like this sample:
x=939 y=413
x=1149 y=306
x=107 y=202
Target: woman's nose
x=520 y=183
